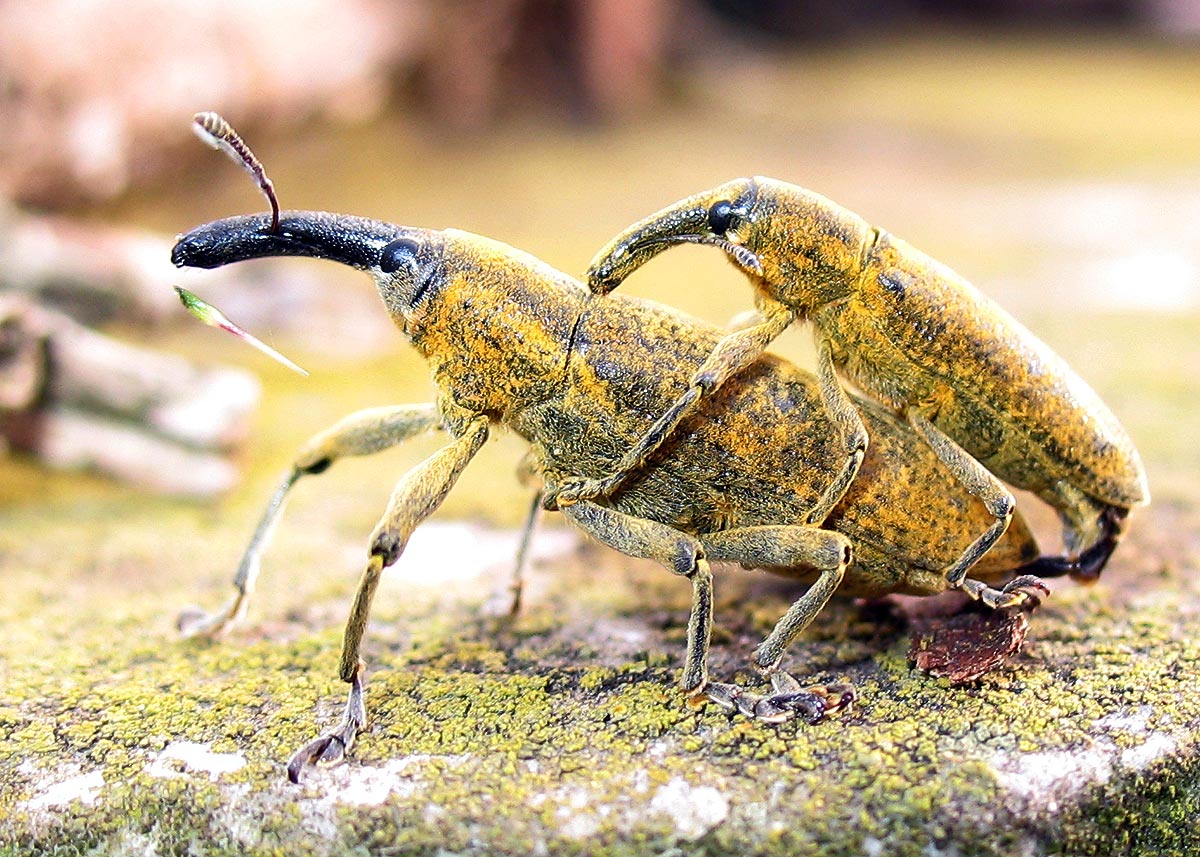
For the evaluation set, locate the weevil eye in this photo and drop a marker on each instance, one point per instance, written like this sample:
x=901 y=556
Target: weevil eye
x=397 y=254
x=720 y=217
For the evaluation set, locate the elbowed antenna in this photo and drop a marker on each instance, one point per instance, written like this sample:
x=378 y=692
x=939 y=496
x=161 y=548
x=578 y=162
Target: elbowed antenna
x=218 y=133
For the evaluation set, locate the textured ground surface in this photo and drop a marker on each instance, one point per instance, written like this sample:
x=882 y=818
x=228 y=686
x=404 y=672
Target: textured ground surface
x=562 y=731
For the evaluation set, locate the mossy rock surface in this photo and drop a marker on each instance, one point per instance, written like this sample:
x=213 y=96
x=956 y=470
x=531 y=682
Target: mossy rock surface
x=561 y=732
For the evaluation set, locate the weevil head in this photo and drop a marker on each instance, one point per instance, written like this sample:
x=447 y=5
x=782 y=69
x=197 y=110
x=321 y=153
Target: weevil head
x=717 y=217
x=493 y=322
x=795 y=245
x=405 y=262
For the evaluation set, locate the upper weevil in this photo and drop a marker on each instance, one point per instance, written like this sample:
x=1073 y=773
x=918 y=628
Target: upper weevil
x=987 y=396
x=511 y=341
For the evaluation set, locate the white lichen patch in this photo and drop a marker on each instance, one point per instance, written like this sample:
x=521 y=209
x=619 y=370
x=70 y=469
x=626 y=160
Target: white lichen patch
x=180 y=757
x=578 y=815
x=1124 y=720
x=695 y=810
x=370 y=785
x=582 y=810
x=77 y=788
x=1052 y=778
x=1137 y=722
x=1056 y=776
x=1157 y=745
x=477 y=553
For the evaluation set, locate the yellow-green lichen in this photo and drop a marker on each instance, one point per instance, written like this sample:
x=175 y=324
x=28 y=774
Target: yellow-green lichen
x=473 y=747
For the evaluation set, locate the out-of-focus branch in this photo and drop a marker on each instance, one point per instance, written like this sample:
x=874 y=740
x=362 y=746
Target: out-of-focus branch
x=78 y=399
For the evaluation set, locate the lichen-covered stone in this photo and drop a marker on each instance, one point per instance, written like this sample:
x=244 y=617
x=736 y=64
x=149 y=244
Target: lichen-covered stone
x=563 y=733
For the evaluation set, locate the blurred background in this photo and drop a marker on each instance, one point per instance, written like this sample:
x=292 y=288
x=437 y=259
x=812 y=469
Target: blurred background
x=1049 y=150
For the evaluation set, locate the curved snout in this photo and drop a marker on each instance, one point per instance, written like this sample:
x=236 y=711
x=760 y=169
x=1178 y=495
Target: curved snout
x=685 y=222
x=710 y=217
x=354 y=241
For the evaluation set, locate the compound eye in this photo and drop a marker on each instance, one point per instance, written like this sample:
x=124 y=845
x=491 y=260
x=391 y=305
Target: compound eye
x=397 y=254
x=720 y=217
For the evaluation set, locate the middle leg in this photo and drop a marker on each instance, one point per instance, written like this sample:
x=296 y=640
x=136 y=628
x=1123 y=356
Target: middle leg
x=688 y=556
x=785 y=546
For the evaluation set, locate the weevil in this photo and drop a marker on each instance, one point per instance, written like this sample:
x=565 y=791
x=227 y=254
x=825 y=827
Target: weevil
x=985 y=394
x=511 y=341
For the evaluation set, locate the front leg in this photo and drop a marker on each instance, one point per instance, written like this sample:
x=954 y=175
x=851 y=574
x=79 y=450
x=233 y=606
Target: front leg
x=731 y=355
x=849 y=427
x=415 y=498
x=361 y=433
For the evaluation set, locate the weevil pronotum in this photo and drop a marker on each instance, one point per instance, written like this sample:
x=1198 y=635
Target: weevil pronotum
x=511 y=341
x=986 y=395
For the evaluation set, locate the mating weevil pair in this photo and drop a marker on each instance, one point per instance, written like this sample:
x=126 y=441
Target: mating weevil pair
x=752 y=467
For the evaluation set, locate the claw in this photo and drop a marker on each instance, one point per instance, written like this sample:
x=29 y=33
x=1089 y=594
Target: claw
x=572 y=491
x=194 y=621
x=1025 y=593
x=1033 y=586
x=780 y=707
x=550 y=497
x=332 y=747
x=328 y=750
x=790 y=699
x=724 y=695
x=812 y=703
x=839 y=697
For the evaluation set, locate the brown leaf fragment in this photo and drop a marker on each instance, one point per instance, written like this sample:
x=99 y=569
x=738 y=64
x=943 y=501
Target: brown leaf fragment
x=964 y=647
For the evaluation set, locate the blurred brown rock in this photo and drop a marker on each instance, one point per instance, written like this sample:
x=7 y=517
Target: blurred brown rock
x=97 y=95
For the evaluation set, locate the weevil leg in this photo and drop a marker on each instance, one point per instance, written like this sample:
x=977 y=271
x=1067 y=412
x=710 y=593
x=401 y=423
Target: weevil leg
x=193 y=621
x=785 y=546
x=688 y=556
x=679 y=552
x=333 y=746
x=415 y=498
x=1025 y=591
x=515 y=588
x=849 y=427
x=732 y=354
x=505 y=602
x=996 y=498
x=361 y=433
